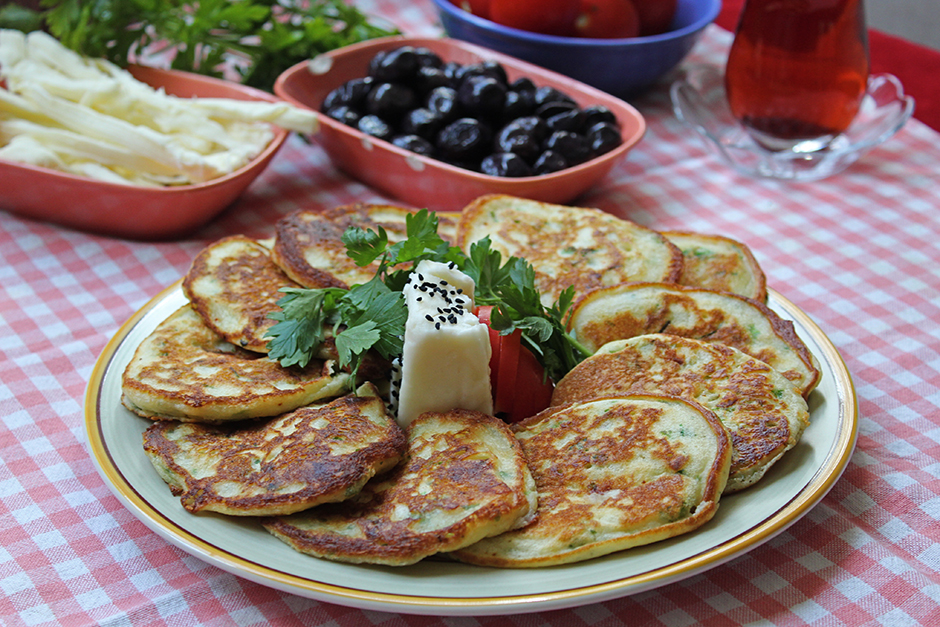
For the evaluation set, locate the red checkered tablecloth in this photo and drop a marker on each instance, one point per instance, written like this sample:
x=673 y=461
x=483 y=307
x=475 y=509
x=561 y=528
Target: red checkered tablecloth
x=859 y=253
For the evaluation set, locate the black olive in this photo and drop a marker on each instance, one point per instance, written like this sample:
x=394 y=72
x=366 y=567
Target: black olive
x=505 y=164
x=450 y=70
x=522 y=137
x=390 y=100
x=375 y=126
x=465 y=139
x=524 y=83
x=573 y=147
x=422 y=122
x=352 y=93
x=551 y=94
x=346 y=115
x=443 y=102
x=528 y=125
x=572 y=120
x=415 y=144
x=490 y=69
x=428 y=58
x=398 y=65
x=482 y=96
x=603 y=137
x=554 y=107
x=517 y=105
x=427 y=78
x=598 y=113
x=550 y=161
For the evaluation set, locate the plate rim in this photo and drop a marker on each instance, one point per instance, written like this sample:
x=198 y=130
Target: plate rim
x=834 y=464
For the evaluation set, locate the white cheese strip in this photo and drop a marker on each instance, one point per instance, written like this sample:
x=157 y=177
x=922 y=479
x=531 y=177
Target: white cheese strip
x=446 y=358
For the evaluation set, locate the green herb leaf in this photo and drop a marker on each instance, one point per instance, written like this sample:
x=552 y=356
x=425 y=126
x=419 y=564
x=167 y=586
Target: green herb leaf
x=261 y=38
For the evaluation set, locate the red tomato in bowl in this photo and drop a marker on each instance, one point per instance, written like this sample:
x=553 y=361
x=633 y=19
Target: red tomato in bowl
x=549 y=17
x=607 y=19
x=480 y=8
x=655 y=15
x=520 y=388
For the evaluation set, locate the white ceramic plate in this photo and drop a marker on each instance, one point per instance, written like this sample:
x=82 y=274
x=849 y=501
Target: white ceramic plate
x=744 y=520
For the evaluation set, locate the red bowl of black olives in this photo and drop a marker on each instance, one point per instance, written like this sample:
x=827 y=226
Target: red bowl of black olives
x=438 y=122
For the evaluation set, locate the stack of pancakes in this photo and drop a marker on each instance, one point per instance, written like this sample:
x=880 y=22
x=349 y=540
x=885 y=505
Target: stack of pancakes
x=695 y=388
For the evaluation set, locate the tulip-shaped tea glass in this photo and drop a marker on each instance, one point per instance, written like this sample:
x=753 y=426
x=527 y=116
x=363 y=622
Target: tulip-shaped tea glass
x=797 y=71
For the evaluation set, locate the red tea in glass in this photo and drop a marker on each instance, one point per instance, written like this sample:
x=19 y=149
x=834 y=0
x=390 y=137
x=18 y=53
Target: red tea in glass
x=797 y=70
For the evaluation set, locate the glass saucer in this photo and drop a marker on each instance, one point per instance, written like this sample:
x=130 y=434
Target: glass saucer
x=699 y=101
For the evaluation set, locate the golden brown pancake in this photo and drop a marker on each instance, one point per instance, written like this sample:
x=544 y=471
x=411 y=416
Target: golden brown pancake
x=185 y=371
x=612 y=474
x=569 y=246
x=309 y=248
x=764 y=414
x=234 y=285
x=464 y=478
x=719 y=263
x=316 y=454
x=634 y=309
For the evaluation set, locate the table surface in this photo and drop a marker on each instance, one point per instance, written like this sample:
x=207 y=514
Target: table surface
x=858 y=252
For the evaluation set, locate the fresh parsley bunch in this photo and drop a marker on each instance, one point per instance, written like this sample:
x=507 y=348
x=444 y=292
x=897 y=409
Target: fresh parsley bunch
x=372 y=315
x=268 y=36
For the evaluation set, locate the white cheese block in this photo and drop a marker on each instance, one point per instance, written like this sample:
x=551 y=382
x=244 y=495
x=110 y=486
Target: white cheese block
x=445 y=363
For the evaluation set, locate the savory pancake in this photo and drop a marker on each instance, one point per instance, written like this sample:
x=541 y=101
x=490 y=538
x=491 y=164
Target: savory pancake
x=464 y=478
x=309 y=248
x=186 y=371
x=629 y=310
x=719 y=263
x=762 y=411
x=233 y=284
x=312 y=455
x=613 y=474
x=584 y=248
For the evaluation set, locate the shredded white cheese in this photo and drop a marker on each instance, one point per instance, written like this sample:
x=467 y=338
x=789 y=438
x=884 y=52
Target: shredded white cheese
x=89 y=117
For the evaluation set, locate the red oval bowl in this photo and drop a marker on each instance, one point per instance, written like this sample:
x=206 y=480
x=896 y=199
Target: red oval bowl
x=426 y=182
x=131 y=211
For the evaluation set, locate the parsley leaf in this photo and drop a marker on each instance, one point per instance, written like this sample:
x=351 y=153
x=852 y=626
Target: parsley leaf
x=258 y=39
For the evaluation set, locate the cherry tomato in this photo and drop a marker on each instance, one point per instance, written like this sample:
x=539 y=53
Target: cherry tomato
x=549 y=17
x=608 y=19
x=518 y=379
x=480 y=8
x=655 y=15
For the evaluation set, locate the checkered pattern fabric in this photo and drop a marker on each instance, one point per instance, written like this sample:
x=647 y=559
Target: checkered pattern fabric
x=859 y=252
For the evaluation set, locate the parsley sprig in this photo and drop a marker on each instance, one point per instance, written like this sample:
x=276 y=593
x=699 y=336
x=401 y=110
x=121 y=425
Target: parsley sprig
x=372 y=315
x=263 y=37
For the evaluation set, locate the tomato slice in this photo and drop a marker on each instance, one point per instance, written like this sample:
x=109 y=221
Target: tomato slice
x=533 y=392
x=516 y=376
x=509 y=348
x=483 y=313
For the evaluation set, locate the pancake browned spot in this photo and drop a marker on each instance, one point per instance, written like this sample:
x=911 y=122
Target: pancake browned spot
x=185 y=371
x=629 y=310
x=316 y=454
x=613 y=474
x=234 y=285
x=762 y=411
x=464 y=479
x=569 y=246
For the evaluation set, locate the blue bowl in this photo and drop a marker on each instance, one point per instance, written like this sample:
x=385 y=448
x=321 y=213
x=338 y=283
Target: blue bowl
x=622 y=67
